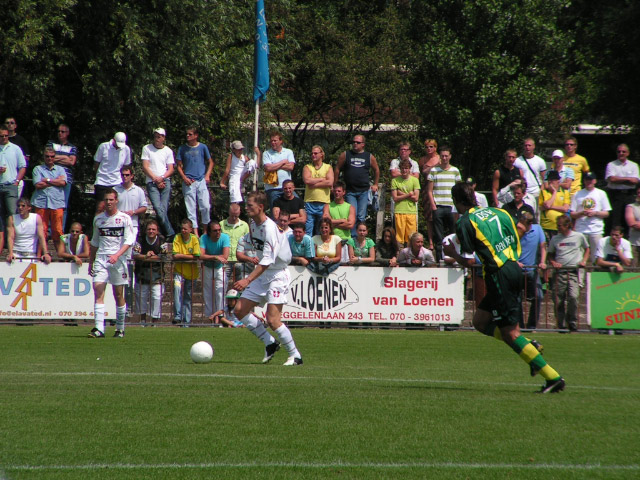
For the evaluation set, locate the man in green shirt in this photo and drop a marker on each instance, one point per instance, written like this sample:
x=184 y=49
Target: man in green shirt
x=491 y=233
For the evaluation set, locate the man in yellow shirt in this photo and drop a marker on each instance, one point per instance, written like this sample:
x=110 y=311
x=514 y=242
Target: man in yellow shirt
x=576 y=162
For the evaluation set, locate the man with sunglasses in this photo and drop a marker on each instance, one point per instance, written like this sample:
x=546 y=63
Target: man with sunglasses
x=12 y=168
x=356 y=165
x=66 y=157
x=576 y=162
x=49 y=181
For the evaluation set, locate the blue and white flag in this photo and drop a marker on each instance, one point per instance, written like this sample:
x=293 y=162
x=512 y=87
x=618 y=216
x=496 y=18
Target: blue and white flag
x=261 y=56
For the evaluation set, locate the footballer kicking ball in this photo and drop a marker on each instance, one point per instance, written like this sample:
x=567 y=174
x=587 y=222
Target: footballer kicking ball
x=201 y=352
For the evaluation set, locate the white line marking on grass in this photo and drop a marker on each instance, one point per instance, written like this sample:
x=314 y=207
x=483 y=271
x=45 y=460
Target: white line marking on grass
x=314 y=465
x=301 y=377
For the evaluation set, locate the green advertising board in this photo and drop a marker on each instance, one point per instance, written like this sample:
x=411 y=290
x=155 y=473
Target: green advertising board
x=614 y=300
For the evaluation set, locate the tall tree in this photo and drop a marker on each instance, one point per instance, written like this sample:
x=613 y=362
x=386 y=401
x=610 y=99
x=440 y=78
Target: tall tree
x=484 y=74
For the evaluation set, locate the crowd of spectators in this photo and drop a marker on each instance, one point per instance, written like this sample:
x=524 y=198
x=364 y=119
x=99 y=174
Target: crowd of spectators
x=556 y=208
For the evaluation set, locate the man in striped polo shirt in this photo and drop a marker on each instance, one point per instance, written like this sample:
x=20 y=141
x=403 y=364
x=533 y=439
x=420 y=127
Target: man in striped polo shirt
x=439 y=183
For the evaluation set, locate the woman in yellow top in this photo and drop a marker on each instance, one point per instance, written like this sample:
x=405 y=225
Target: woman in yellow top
x=318 y=178
x=554 y=202
x=328 y=250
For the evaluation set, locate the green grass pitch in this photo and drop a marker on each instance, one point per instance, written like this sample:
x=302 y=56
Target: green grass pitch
x=365 y=404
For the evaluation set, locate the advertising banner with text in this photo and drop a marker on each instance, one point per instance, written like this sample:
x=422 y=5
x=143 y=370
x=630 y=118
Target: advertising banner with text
x=614 y=300
x=56 y=291
x=377 y=295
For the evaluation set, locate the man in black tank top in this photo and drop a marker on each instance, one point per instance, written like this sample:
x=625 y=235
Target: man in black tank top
x=356 y=165
x=505 y=176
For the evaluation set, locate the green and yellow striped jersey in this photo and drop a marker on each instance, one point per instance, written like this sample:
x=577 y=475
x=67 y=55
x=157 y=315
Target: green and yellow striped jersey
x=490 y=233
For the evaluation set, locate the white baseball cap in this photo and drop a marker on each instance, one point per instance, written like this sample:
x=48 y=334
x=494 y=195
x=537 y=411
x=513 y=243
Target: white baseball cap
x=160 y=131
x=557 y=153
x=121 y=139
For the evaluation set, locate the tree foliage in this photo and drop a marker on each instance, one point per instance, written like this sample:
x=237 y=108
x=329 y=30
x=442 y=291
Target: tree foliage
x=606 y=62
x=485 y=74
x=478 y=75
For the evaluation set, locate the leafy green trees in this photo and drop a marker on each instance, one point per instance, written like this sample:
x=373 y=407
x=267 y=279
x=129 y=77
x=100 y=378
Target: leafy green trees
x=484 y=74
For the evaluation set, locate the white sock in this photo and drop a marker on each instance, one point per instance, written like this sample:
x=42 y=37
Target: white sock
x=286 y=339
x=121 y=313
x=98 y=313
x=256 y=327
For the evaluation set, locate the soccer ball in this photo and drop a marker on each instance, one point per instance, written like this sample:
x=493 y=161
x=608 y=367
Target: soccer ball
x=201 y=352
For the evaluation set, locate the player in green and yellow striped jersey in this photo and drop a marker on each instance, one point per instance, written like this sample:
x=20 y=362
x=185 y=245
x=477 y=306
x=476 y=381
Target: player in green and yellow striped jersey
x=491 y=233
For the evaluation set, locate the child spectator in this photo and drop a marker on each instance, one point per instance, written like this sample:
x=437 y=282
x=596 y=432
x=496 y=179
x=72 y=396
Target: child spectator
x=361 y=249
x=218 y=316
x=387 y=248
x=405 y=191
x=185 y=247
x=301 y=245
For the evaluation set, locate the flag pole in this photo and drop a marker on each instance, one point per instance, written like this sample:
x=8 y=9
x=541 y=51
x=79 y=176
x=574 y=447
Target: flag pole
x=256 y=124
x=261 y=71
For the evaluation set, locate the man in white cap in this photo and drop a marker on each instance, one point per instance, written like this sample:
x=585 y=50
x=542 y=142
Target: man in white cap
x=567 y=175
x=110 y=157
x=158 y=164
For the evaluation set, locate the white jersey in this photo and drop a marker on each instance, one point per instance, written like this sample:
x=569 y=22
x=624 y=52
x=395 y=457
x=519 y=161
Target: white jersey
x=271 y=245
x=110 y=233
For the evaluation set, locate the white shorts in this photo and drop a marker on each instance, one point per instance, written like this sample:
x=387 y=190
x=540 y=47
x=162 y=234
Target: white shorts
x=104 y=272
x=269 y=288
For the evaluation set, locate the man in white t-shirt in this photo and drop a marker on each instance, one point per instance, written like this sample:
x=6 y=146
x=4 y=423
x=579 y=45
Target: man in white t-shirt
x=158 y=164
x=110 y=157
x=614 y=251
x=111 y=240
x=268 y=282
x=278 y=163
x=622 y=176
x=589 y=207
x=532 y=166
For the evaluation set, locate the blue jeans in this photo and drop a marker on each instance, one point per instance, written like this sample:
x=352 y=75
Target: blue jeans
x=197 y=192
x=360 y=201
x=160 y=201
x=182 y=289
x=314 y=215
x=272 y=195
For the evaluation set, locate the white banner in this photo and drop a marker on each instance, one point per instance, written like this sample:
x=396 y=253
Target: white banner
x=55 y=291
x=377 y=295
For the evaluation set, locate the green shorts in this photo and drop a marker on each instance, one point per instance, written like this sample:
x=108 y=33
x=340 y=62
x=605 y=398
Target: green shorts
x=504 y=294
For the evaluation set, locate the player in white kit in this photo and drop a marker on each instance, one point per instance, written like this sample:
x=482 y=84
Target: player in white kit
x=268 y=282
x=112 y=237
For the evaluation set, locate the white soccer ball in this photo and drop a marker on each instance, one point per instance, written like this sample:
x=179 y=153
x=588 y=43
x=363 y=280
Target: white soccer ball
x=201 y=352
